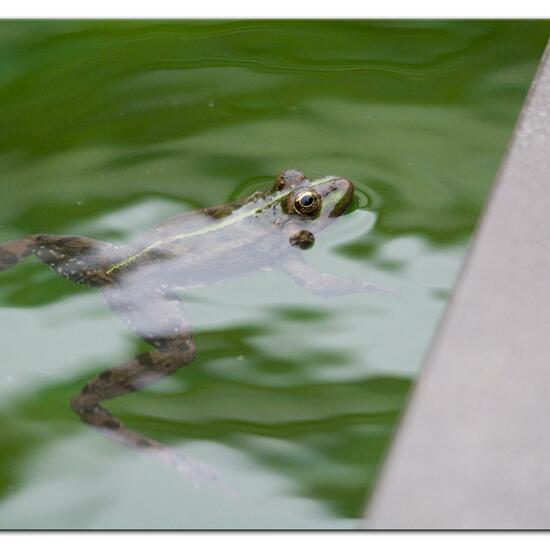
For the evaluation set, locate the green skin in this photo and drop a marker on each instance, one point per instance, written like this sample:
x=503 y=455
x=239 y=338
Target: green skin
x=138 y=280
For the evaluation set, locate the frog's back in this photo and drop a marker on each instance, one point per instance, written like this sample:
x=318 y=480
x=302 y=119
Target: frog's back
x=203 y=247
x=196 y=220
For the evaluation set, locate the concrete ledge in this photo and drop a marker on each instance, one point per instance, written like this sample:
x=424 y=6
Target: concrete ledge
x=473 y=450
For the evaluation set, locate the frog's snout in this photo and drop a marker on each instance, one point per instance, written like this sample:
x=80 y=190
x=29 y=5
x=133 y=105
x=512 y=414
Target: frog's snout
x=339 y=196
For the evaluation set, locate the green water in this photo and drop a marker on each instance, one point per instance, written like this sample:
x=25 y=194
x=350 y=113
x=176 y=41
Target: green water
x=109 y=127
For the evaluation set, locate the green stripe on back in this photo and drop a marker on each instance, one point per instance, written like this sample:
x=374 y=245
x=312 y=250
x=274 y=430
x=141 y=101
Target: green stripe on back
x=211 y=228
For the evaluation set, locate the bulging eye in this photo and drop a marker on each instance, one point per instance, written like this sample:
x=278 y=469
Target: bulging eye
x=307 y=202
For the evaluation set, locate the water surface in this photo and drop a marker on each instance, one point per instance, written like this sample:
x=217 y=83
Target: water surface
x=110 y=127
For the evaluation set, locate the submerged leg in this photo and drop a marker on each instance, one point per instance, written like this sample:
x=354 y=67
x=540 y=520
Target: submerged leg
x=326 y=284
x=155 y=315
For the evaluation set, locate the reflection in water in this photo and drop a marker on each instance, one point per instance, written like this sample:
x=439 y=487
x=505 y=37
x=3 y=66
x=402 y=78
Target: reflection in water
x=138 y=281
x=322 y=440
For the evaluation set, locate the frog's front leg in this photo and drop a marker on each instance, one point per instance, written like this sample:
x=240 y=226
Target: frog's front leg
x=326 y=284
x=156 y=316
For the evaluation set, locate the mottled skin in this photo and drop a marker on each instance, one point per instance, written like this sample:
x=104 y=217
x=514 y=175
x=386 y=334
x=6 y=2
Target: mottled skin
x=267 y=230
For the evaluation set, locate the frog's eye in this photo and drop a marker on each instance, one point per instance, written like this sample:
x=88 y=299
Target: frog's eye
x=307 y=202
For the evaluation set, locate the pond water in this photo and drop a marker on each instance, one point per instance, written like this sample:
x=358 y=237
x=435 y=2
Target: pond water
x=110 y=127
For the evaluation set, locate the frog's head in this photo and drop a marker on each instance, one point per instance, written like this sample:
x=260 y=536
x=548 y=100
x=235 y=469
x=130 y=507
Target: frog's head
x=308 y=206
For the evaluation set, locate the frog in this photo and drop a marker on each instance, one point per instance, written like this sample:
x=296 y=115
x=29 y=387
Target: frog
x=141 y=281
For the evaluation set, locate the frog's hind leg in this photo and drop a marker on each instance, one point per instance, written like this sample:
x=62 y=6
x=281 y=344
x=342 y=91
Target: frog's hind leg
x=12 y=252
x=80 y=259
x=155 y=315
